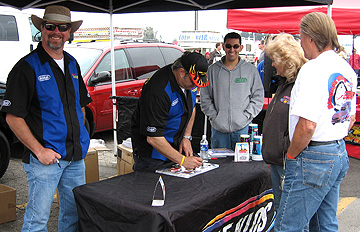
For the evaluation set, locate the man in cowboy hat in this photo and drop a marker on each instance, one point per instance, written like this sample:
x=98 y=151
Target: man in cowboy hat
x=45 y=102
x=162 y=122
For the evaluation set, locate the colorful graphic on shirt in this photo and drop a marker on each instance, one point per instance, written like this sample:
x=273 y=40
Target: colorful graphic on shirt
x=340 y=96
x=285 y=100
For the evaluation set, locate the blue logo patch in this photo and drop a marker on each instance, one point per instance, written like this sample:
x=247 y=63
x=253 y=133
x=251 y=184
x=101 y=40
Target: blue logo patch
x=44 y=77
x=176 y=101
x=6 y=103
x=151 y=129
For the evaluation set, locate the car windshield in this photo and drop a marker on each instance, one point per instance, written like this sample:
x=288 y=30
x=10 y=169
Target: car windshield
x=86 y=57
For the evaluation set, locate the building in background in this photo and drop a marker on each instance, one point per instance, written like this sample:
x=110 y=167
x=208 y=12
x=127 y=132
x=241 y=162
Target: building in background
x=204 y=41
x=103 y=34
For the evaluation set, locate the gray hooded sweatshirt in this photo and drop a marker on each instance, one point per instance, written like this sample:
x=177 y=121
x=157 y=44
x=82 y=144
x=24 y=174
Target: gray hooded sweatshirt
x=233 y=98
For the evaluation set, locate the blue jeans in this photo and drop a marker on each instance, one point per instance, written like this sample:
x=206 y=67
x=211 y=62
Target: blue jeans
x=227 y=140
x=43 y=181
x=276 y=172
x=311 y=189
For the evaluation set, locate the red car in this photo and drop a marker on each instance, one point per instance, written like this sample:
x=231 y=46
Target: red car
x=134 y=63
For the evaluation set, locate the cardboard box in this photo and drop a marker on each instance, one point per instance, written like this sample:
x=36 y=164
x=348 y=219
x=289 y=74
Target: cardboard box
x=7 y=204
x=128 y=167
x=125 y=161
x=91 y=166
x=126 y=153
x=120 y=170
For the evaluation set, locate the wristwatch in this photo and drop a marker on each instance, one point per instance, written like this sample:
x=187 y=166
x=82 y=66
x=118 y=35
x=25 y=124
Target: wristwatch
x=188 y=137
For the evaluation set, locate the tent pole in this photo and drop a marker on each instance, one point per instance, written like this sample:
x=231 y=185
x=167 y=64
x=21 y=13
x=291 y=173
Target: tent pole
x=205 y=124
x=113 y=77
x=329 y=10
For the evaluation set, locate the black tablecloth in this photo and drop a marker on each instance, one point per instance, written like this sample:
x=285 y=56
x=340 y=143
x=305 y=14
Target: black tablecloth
x=233 y=195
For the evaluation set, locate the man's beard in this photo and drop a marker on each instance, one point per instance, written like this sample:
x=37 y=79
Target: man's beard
x=53 y=45
x=57 y=46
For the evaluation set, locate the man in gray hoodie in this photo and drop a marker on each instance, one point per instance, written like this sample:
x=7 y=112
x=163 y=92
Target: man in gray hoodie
x=234 y=96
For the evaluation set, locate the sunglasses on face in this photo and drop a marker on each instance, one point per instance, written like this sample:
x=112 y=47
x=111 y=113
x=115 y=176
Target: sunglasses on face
x=229 y=46
x=61 y=27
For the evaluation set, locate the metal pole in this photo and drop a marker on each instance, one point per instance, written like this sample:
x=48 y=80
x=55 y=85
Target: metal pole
x=196 y=20
x=205 y=124
x=113 y=77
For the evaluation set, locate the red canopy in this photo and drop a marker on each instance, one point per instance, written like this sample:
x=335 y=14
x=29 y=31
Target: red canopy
x=287 y=19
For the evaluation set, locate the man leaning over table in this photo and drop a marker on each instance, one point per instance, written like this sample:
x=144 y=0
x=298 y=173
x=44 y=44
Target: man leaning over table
x=162 y=122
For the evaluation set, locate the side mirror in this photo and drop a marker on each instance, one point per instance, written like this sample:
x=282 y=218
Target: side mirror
x=101 y=77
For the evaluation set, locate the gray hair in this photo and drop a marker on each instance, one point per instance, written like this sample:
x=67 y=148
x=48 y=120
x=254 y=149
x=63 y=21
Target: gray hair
x=321 y=29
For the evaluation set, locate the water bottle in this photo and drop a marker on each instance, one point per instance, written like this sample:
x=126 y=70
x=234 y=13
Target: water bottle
x=204 y=149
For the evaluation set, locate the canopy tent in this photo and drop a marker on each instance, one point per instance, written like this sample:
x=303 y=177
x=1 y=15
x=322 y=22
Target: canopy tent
x=345 y=14
x=137 y=6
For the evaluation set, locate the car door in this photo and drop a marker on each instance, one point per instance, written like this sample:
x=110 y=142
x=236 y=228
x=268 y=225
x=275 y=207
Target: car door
x=124 y=84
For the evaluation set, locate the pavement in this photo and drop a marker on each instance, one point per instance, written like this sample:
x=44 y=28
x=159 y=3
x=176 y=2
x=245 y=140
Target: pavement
x=348 y=208
x=349 y=218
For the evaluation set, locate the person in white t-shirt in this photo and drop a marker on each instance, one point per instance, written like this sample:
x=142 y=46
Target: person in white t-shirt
x=322 y=110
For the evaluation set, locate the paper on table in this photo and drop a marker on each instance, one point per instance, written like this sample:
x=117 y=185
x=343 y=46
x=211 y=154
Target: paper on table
x=220 y=152
x=184 y=173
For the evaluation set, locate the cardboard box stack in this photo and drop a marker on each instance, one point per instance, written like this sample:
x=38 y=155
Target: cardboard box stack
x=92 y=161
x=125 y=160
x=91 y=166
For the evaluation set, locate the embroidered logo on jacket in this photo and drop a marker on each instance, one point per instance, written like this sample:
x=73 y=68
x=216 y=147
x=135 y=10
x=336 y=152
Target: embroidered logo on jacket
x=6 y=103
x=285 y=100
x=151 y=129
x=241 y=80
x=75 y=76
x=44 y=77
x=176 y=101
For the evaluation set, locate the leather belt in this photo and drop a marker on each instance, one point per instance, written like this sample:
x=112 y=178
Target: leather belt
x=316 y=143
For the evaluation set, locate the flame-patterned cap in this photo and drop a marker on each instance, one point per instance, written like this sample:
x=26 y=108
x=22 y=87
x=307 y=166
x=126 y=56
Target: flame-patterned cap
x=197 y=66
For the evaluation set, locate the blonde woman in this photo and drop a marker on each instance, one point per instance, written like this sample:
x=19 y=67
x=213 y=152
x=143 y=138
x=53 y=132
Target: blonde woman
x=287 y=57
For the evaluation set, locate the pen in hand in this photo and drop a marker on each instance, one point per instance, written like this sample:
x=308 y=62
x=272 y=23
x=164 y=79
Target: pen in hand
x=57 y=161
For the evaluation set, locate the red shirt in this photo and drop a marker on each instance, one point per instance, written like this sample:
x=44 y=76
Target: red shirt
x=354 y=61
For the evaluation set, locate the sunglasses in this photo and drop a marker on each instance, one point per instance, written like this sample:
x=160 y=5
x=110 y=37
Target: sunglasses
x=229 y=46
x=61 y=27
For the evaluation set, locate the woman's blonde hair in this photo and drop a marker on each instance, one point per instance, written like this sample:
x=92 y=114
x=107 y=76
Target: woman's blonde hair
x=284 y=50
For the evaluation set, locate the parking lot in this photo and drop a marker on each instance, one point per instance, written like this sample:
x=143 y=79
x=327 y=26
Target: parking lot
x=15 y=177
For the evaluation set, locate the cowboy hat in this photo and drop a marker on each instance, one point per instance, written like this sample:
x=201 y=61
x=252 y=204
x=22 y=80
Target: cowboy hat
x=56 y=14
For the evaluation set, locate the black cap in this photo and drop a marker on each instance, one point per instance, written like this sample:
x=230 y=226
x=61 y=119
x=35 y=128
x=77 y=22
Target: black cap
x=197 y=66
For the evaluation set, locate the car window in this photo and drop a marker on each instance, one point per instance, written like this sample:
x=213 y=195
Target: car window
x=35 y=33
x=170 y=54
x=122 y=68
x=146 y=60
x=8 y=28
x=85 y=57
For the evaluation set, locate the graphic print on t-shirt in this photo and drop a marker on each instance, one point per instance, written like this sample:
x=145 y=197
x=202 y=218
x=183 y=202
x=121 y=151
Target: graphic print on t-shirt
x=340 y=96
